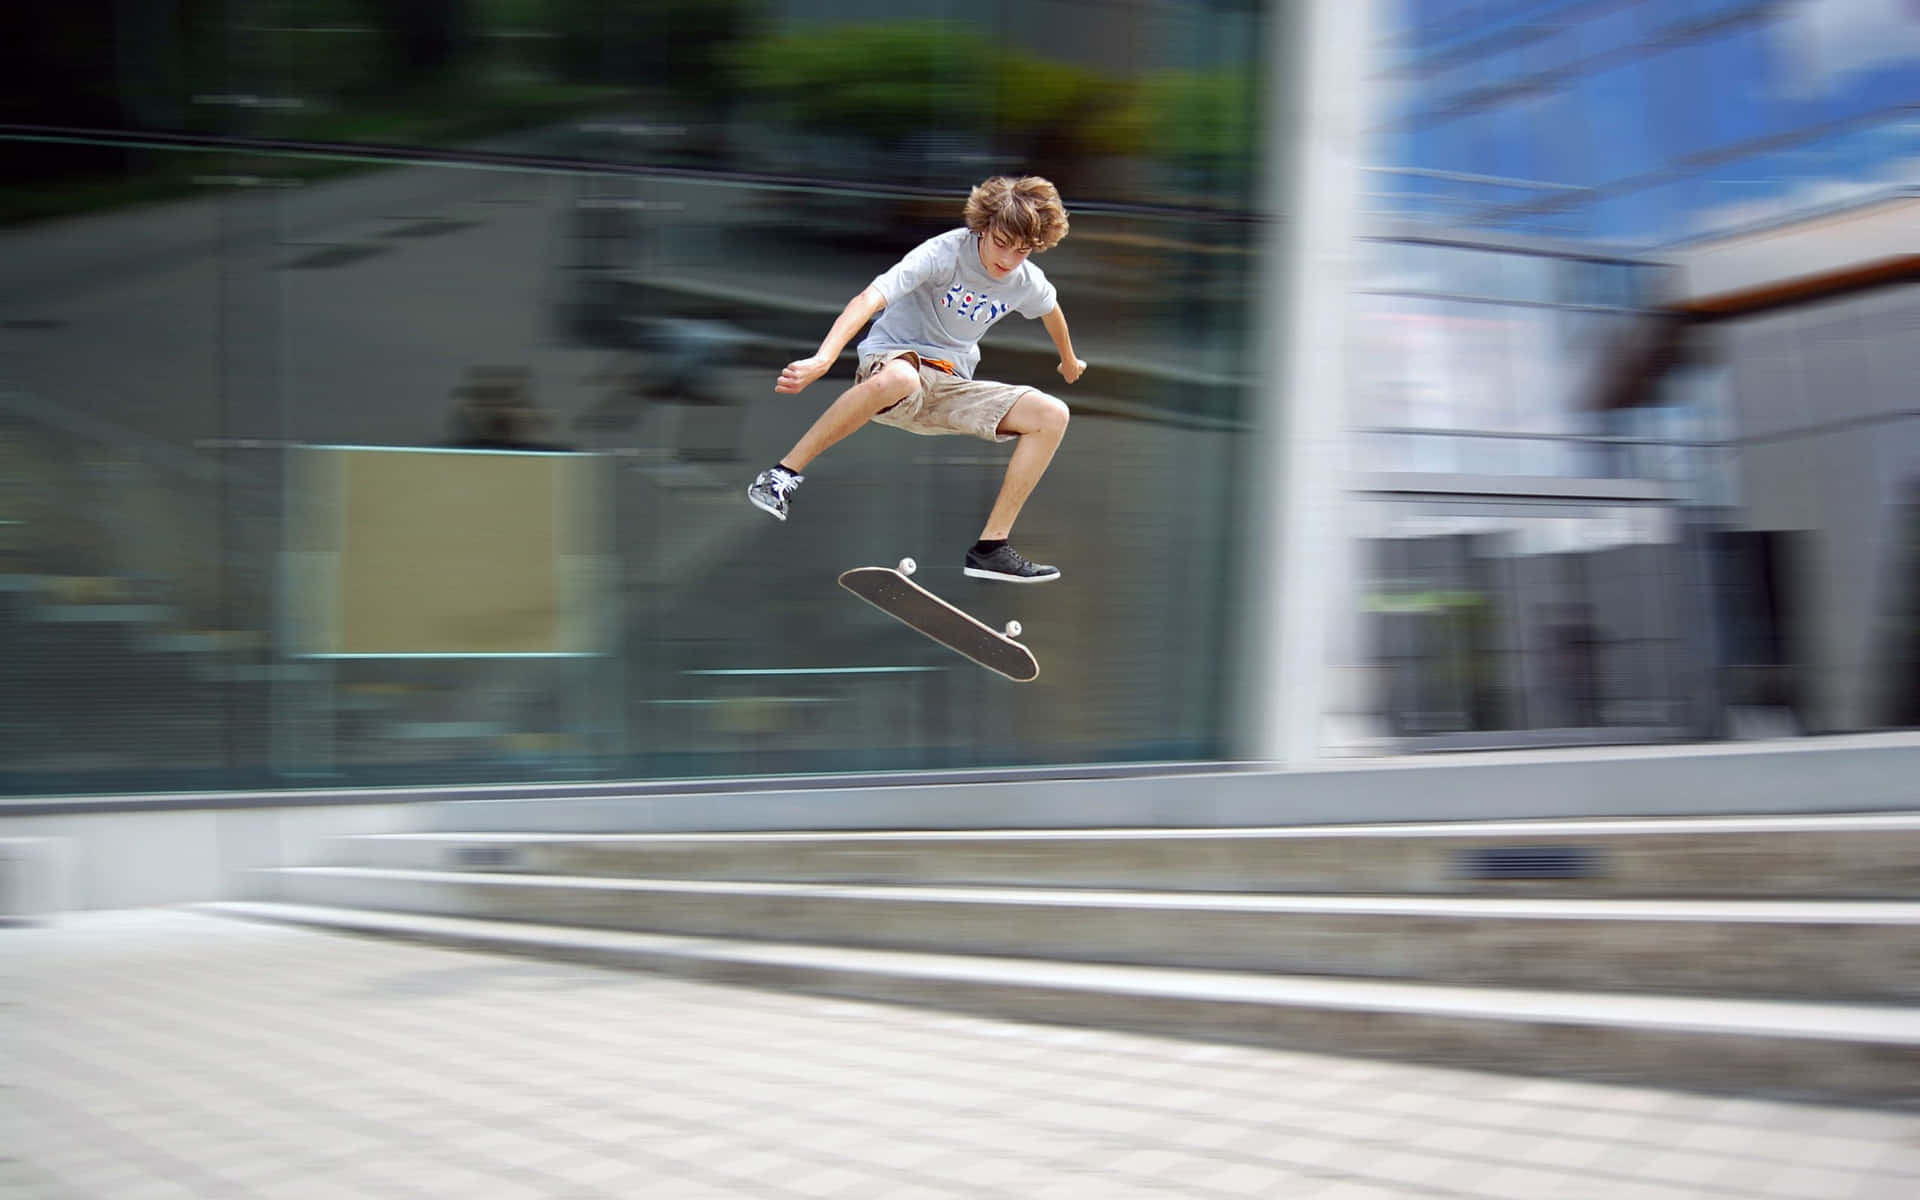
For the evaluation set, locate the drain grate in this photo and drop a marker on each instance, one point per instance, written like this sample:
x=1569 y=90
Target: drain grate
x=486 y=856
x=1530 y=862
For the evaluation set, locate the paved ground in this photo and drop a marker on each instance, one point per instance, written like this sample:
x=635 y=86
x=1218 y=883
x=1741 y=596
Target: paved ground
x=164 y=1054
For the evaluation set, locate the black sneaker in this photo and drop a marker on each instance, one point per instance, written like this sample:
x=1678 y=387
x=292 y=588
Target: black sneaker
x=1009 y=566
x=770 y=490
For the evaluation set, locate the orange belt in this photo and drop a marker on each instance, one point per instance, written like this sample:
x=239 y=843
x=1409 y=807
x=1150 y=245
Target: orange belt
x=938 y=364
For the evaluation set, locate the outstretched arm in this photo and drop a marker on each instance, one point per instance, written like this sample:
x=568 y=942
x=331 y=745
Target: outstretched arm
x=852 y=320
x=1070 y=368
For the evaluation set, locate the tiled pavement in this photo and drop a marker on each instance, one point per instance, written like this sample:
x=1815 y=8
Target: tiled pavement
x=169 y=1055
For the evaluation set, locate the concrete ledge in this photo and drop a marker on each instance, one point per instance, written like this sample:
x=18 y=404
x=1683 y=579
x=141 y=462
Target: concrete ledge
x=1852 y=774
x=1786 y=776
x=297 y=797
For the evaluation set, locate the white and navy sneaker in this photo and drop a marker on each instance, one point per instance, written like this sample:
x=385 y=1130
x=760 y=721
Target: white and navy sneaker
x=771 y=488
x=1007 y=565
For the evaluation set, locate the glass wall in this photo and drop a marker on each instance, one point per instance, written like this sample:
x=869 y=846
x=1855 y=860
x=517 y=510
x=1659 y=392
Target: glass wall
x=557 y=252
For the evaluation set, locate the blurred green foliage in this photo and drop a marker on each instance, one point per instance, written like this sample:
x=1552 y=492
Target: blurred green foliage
x=1202 y=119
x=885 y=81
x=881 y=82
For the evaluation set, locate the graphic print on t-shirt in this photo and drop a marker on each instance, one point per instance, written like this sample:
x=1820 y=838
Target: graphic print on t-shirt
x=972 y=304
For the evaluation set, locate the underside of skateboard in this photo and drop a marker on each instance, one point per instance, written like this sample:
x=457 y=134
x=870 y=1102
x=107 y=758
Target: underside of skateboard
x=891 y=591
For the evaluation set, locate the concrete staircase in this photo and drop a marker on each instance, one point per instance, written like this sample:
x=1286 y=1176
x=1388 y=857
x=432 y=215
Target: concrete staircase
x=1776 y=955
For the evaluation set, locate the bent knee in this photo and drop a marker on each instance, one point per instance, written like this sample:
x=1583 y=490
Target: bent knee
x=1047 y=414
x=896 y=380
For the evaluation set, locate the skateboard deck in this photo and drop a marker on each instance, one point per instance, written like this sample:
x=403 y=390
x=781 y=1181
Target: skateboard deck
x=889 y=590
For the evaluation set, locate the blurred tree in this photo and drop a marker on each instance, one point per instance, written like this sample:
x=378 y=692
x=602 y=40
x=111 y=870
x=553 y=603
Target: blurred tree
x=880 y=83
x=1206 y=120
x=1048 y=113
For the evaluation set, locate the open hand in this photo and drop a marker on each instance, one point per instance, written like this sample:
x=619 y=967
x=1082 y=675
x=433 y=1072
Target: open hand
x=801 y=372
x=1070 y=371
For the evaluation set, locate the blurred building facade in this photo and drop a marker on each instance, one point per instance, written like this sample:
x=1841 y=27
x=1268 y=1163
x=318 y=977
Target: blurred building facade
x=1567 y=400
x=1630 y=398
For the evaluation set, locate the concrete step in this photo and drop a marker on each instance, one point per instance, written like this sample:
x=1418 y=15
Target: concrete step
x=1826 y=1052
x=1865 y=951
x=1821 y=857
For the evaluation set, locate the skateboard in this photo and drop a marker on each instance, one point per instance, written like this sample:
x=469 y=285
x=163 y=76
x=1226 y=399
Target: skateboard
x=889 y=590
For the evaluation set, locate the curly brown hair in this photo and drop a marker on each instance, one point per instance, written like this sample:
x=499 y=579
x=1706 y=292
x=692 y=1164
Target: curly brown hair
x=1026 y=211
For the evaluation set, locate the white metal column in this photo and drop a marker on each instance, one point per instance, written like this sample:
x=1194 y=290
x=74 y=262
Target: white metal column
x=1321 y=72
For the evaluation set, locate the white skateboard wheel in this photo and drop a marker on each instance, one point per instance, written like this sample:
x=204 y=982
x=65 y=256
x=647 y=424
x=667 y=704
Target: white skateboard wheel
x=908 y=566
x=1013 y=629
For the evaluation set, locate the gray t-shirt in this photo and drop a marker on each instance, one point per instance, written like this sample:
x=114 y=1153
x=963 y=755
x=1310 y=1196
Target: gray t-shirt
x=940 y=300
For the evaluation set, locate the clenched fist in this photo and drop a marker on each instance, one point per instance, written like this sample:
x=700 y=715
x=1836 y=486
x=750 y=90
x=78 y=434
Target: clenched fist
x=801 y=372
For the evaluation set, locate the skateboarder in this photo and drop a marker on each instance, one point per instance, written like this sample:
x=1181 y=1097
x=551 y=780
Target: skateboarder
x=916 y=364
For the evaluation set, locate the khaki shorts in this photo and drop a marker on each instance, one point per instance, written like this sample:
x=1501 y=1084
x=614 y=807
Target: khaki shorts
x=946 y=403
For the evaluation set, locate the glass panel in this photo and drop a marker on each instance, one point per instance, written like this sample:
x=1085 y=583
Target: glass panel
x=1753 y=110
x=1558 y=47
x=1541 y=623
x=1610 y=29
x=1684 y=117
x=1426 y=363
x=1528 y=277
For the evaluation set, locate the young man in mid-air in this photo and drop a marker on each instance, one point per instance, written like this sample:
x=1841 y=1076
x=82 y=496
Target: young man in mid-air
x=916 y=365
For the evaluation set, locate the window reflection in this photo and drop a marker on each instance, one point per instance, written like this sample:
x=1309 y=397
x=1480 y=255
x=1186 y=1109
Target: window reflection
x=1470 y=339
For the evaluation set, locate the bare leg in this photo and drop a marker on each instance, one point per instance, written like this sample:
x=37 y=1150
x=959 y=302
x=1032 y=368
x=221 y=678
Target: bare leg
x=855 y=407
x=1041 y=421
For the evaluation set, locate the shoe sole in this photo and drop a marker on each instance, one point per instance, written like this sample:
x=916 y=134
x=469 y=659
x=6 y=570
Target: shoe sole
x=754 y=500
x=977 y=573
